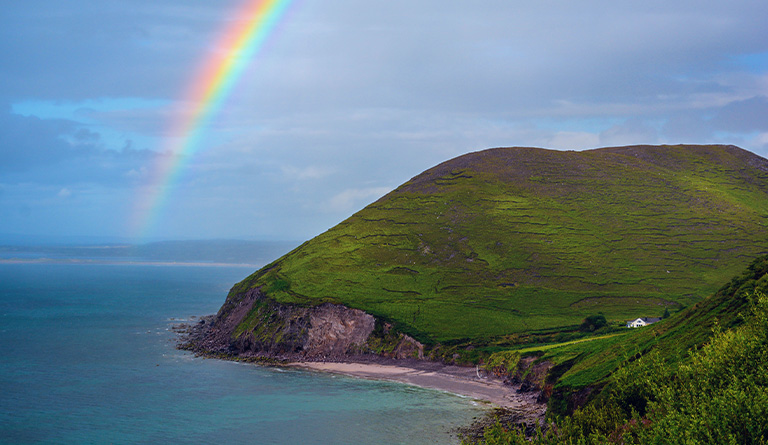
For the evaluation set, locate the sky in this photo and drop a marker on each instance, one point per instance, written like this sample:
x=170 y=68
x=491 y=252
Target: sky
x=344 y=101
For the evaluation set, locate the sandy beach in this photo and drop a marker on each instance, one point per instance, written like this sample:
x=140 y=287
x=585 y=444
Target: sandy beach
x=453 y=379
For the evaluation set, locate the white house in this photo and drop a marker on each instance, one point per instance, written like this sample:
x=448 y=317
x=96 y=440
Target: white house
x=640 y=322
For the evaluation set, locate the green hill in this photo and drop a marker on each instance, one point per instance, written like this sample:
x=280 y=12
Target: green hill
x=698 y=377
x=590 y=364
x=522 y=239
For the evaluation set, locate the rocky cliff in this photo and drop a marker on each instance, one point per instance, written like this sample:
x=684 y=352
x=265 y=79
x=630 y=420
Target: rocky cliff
x=252 y=325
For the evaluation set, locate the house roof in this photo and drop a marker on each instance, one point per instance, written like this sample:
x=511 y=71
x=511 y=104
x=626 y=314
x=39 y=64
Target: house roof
x=647 y=320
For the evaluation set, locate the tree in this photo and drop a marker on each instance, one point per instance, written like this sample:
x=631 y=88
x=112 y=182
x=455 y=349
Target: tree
x=593 y=323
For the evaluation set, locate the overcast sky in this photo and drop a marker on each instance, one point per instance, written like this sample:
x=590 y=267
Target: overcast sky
x=347 y=100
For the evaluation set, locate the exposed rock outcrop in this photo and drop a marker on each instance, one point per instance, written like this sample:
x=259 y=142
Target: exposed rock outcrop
x=252 y=325
x=335 y=330
x=409 y=348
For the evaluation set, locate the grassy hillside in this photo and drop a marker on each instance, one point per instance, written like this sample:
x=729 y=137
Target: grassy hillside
x=522 y=239
x=592 y=362
x=698 y=377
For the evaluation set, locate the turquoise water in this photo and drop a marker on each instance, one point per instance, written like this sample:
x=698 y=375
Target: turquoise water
x=87 y=356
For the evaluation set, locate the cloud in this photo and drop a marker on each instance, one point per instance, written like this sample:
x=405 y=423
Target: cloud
x=135 y=48
x=572 y=140
x=736 y=122
x=136 y=174
x=760 y=141
x=630 y=132
x=351 y=198
x=293 y=173
x=507 y=55
x=51 y=151
x=30 y=141
x=687 y=127
x=348 y=99
x=743 y=116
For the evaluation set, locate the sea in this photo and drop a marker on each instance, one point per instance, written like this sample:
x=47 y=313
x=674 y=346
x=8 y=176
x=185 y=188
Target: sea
x=87 y=355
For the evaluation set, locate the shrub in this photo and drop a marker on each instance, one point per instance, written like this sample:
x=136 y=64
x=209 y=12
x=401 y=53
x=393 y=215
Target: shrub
x=593 y=323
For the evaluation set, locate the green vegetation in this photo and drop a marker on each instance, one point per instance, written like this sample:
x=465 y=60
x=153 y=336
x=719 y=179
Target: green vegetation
x=593 y=323
x=700 y=377
x=531 y=242
x=504 y=363
x=673 y=338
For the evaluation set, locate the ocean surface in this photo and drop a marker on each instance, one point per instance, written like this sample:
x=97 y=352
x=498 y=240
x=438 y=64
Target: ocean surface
x=87 y=355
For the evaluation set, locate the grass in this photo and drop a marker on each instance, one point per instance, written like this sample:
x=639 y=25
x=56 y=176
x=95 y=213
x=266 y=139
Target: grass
x=550 y=346
x=699 y=377
x=518 y=240
x=594 y=361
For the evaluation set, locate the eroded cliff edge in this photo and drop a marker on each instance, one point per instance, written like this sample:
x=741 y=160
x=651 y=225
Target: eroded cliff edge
x=251 y=325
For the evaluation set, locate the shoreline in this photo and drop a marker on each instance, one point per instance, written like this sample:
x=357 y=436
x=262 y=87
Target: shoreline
x=470 y=382
x=504 y=402
x=456 y=380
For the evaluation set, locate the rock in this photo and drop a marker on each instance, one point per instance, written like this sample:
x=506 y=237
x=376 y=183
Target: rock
x=252 y=324
x=409 y=348
x=335 y=329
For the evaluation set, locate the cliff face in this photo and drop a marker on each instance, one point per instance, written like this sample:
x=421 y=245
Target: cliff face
x=252 y=325
x=336 y=330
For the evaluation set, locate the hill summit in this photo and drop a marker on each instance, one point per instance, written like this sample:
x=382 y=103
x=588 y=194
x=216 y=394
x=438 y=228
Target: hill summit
x=513 y=240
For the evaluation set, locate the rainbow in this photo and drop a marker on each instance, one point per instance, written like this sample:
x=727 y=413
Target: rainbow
x=207 y=92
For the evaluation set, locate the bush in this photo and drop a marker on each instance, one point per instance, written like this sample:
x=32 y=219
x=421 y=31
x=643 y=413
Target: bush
x=593 y=323
x=721 y=395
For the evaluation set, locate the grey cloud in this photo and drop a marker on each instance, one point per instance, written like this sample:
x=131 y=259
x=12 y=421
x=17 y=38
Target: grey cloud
x=632 y=131
x=500 y=56
x=689 y=127
x=56 y=151
x=351 y=95
x=78 y=49
x=149 y=121
x=29 y=141
x=743 y=116
x=518 y=53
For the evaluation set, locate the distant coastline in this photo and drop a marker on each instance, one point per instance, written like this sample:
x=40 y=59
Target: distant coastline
x=198 y=253
x=123 y=262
